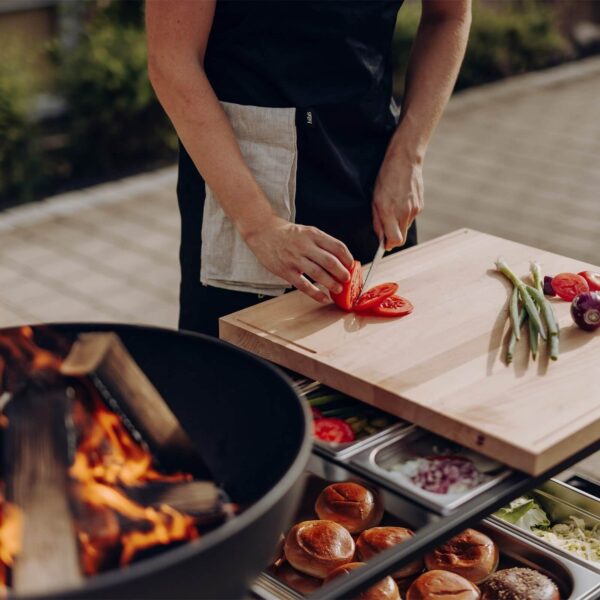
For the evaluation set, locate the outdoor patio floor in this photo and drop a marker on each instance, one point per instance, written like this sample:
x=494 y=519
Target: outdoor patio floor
x=519 y=159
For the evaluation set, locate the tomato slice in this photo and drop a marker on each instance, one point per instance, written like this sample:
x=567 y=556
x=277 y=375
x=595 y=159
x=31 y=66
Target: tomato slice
x=330 y=429
x=394 y=306
x=375 y=296
x=593 y=280
x=351 y=289
x=569 y=285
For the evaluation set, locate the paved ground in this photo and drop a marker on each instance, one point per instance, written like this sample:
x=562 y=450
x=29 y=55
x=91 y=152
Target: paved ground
x=520 y=159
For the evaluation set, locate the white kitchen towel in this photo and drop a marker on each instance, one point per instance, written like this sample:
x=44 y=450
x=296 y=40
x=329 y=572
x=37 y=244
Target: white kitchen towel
x=267 y=140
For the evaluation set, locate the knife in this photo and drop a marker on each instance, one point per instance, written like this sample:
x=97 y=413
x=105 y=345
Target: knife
x=378 y=256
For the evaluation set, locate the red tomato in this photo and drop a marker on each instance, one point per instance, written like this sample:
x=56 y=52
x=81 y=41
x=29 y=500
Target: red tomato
x=394 y=306
x=329 y=429
x=375 y=296
x=569 y=285
x=351 y=289
x=593 y=280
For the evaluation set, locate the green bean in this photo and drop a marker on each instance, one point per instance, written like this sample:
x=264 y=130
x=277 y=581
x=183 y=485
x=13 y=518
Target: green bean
x=530 y=306
x=514 y=312
x=551 y=321
x=546 y=310
x=533 y=339
x=554 y=347
x=536 y=273
x=326 y=399
x=510 y=351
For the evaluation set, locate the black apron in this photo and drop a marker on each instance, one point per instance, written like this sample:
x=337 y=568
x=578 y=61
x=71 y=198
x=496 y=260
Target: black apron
x=331 y=61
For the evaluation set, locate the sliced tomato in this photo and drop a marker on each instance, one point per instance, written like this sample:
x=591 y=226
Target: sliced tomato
x=330 y=429
x=375 y=296
x=569 y=285
x=394 y=306
x=351 y=289
x=593 y=280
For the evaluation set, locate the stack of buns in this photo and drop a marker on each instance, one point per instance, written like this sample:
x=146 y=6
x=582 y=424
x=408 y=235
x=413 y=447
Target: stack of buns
x=323 y=549
x=348 y=530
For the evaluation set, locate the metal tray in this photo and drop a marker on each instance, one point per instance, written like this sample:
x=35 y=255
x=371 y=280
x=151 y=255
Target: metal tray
x=575 y=581
x=560 y=500
x=415 y=442
x=345 y=450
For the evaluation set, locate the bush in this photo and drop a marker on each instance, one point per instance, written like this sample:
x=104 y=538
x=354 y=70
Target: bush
x=115 y=120
x=507 y=38
x=19 y=160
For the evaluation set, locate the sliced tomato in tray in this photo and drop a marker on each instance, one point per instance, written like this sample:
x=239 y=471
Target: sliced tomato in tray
x=375 y=296
x=569 y=285
x=351 y=289
x=593 y=280
x=394 y=306
x=332 y=430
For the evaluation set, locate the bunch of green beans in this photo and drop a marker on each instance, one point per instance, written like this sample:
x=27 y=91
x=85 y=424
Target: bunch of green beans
x=528 y=303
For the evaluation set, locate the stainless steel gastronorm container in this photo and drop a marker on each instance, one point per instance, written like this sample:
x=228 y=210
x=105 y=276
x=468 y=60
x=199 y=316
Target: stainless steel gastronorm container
x=575 y=581
x=560 y=501
x=345 y=450
x=375 y=463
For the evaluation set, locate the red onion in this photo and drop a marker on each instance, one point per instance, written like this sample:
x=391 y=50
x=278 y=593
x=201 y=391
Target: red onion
x=585 y=310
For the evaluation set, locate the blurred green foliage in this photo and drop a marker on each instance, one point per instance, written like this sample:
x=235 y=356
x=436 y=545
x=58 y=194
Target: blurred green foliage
x=115 y=125
x=114 y=117
x=507 y=38
x=19 y=158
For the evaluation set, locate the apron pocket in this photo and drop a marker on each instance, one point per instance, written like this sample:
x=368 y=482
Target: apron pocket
x=267 y=140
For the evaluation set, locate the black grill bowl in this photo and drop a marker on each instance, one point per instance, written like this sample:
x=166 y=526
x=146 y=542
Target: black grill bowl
x=253 y=433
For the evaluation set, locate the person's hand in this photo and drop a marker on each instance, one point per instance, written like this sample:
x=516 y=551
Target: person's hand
x=292 y=251
x=397 y=200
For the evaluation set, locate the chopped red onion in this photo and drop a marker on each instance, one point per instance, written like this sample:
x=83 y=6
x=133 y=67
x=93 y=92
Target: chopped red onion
x=442 y=474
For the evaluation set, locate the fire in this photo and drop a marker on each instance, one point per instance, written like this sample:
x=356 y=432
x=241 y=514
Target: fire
x=11 y=528
x=111 y=527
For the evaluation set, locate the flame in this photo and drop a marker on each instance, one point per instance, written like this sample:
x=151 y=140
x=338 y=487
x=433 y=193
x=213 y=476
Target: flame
x=110 y=526
x=20 y=355
x=107 y=452
x=11 y=529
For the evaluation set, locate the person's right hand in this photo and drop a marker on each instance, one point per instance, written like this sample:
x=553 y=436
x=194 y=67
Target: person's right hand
x=292 y=251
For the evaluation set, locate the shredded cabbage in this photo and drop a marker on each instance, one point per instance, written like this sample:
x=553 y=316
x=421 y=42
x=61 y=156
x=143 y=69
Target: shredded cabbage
x=574 y=537
x=524 y=512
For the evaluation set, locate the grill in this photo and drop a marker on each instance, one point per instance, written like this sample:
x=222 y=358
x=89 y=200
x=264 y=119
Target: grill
x=251 y=430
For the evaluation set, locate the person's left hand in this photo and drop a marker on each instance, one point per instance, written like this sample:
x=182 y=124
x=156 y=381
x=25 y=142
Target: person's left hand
x=398 y=198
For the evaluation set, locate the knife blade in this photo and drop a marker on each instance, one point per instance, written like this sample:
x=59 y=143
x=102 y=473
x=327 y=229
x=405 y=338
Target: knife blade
x=378 y=256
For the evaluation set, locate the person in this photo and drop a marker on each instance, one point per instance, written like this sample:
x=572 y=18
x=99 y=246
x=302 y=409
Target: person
x=294 y=158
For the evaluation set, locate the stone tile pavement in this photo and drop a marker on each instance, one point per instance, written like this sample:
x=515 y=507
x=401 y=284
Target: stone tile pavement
x=518 y=158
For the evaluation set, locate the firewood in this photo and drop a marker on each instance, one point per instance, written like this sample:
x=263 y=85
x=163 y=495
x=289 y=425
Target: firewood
x=37 y=442
x=104 y=355
x=199 y=499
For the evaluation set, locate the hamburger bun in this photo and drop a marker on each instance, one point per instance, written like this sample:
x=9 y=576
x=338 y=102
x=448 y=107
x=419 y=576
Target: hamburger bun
x=350 y=504
x=377 y=539
x=434 y=585
x=301 y=583
x=471 y=554
x=519 y=584
x=317 y=547
x=386 y=589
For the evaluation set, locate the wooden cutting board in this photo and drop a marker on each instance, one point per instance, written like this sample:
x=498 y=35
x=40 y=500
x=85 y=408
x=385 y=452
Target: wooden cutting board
x=442 y=367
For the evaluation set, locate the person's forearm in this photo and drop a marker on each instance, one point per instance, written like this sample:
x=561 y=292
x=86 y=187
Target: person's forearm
x=190 y=102
x=434 y=63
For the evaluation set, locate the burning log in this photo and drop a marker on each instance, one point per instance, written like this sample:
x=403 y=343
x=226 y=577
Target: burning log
x=199 y=499
x=36 y=460
x=104 y=355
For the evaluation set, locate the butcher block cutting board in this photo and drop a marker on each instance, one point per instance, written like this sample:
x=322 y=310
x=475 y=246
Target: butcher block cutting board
x=443 y=367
